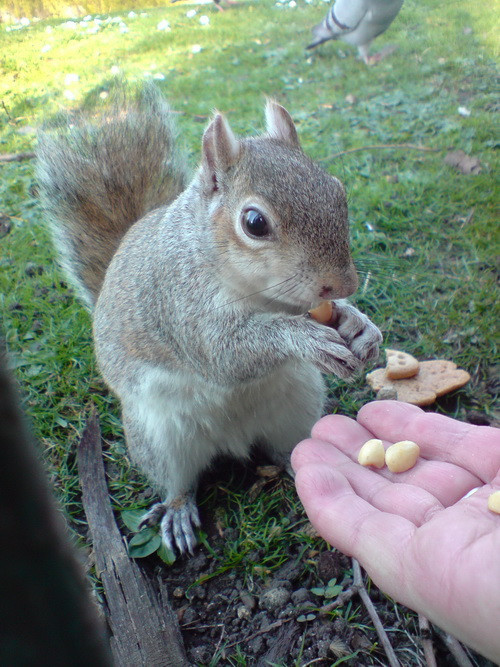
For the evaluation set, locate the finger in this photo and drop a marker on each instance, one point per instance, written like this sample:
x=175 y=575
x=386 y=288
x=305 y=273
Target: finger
x=474 y=448
x=333 y=428
x=447 y=482
x=352 y=525
x=409 y=501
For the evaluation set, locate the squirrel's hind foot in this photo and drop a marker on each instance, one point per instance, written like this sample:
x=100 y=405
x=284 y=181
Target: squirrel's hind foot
x=177 y=520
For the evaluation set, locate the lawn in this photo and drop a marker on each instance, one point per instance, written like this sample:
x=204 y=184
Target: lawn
x=424 y=234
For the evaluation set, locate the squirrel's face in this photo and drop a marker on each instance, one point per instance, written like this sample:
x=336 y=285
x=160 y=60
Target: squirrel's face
x=280 y=222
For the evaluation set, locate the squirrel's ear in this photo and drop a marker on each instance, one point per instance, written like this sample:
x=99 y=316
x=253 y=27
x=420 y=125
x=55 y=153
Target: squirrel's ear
x=220 y=149
x=279 y=124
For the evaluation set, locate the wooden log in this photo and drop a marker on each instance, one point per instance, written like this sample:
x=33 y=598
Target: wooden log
x=144 y=628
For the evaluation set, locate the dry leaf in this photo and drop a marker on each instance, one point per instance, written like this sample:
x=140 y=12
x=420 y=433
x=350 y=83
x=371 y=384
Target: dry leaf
x=466 y=164
x=269 y=472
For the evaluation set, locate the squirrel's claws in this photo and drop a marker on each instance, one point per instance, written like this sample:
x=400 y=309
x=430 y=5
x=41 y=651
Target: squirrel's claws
x=153 y=516
x=362 y=337
x=177 y=519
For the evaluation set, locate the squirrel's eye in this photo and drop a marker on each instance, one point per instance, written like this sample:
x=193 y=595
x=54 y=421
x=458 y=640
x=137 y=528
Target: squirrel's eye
x=254 y=223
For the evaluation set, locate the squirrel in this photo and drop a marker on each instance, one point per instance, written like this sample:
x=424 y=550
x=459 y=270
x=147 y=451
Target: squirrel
x=199 y=290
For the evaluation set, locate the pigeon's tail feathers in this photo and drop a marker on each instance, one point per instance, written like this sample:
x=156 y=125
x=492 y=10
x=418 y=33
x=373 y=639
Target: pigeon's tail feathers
x=321 y=33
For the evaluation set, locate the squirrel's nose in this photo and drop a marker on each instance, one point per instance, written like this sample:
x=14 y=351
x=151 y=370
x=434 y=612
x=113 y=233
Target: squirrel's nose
x=341 y=286
x=326 y=291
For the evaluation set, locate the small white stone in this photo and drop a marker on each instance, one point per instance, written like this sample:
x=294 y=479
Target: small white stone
x=70 y=79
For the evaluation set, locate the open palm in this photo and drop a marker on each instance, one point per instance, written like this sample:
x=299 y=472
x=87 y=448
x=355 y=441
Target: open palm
x=416 y=535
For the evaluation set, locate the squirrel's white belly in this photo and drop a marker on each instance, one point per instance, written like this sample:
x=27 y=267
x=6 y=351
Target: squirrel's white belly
x=197 y=418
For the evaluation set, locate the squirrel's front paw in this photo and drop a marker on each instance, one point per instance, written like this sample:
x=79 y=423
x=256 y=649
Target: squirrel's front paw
x=177 y=520
x=330 y=353
x=361 y=336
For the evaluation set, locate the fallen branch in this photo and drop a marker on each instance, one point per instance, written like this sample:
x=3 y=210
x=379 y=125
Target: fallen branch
x=377 y=147
x=455 y=648
x=358 y=588
x=426 y=639
x=144 y=627
x=16 y=157
x=370 y=608
x=269 y=628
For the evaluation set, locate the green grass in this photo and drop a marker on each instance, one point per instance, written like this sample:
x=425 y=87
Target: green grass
x=425 y=236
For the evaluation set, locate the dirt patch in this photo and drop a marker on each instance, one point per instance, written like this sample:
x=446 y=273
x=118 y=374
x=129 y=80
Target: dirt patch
x=273 y=621
x=228 y=617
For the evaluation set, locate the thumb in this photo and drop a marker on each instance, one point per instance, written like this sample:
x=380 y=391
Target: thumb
x=378 y=540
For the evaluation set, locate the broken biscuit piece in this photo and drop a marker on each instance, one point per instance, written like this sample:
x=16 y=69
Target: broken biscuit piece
x=400 y=365
x=434 y=378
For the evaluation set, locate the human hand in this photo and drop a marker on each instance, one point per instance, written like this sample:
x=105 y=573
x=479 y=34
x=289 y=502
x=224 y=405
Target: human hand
x=415 y=534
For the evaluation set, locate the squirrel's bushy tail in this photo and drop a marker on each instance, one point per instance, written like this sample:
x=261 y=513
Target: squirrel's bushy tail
x=100 y=172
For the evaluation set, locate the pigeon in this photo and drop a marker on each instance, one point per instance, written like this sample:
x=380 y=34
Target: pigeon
x=357 y=22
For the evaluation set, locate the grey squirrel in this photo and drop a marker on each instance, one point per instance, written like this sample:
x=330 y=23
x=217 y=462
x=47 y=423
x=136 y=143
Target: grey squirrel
x=199 y=290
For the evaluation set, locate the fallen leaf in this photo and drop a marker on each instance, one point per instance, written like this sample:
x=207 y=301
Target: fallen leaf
x=466 y=164
x=269 y=472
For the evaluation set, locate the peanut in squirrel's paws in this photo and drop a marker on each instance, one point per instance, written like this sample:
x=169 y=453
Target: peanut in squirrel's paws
x=177 y=520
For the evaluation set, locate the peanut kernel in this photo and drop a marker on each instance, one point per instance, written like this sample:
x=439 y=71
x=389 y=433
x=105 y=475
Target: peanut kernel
x=322 y=313
x=372 y=453
x=402 y=456
x=494 y=502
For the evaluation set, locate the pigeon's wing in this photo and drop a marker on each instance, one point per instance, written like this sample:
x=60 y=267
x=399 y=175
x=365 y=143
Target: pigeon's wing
x=345 y=15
